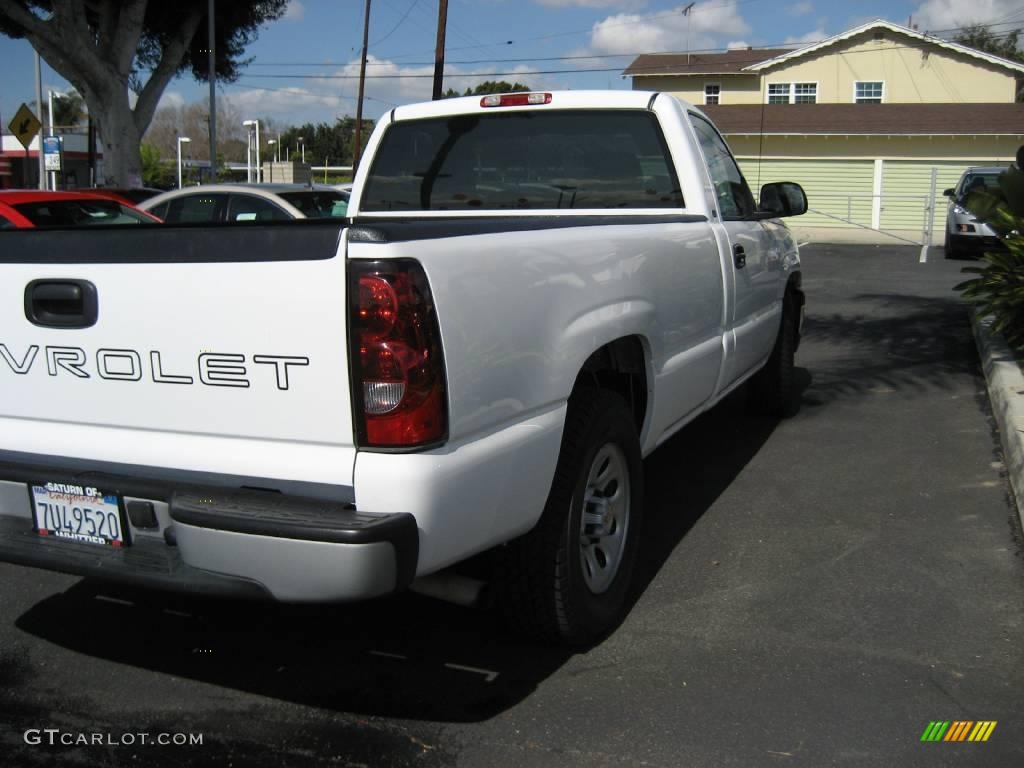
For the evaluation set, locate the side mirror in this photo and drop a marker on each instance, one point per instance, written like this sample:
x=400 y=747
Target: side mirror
x=949 y=192
x=783 y=198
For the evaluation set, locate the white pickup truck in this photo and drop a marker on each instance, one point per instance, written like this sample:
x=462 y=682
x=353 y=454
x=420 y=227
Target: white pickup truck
x=533 y=291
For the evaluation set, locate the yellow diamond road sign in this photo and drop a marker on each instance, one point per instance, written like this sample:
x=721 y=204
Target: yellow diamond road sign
x=25 y=125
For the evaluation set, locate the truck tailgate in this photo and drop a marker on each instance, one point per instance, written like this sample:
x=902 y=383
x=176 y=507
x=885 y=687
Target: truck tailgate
x=221 y=349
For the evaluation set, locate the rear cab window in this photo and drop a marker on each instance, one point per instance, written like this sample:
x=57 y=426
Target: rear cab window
x=525 y=160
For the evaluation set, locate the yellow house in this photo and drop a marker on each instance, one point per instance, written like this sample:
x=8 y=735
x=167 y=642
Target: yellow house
x=874 y=122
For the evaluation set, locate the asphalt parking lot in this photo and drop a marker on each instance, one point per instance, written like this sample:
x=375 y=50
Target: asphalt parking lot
x=813 y=592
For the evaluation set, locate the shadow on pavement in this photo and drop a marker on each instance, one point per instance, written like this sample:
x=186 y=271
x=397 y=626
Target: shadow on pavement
x=895 y=343
x=407 y=656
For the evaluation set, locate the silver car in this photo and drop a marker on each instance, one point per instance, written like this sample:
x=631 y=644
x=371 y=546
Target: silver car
x=247 y=202
x=965 y=234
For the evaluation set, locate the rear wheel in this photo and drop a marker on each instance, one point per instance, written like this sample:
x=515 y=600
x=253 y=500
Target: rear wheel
x=772 y=390
x=567 y=580
x=950 y=251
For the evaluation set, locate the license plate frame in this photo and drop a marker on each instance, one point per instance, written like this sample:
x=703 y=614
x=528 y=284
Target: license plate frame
x=79 y=513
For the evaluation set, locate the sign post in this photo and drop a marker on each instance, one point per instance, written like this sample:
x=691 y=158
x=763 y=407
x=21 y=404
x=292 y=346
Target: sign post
x=52 y=156
x=25 y=126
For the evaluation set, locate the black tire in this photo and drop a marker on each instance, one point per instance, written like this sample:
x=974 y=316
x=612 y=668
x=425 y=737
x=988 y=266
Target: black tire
x=772 y=390
x=544 y=580
x=949 y=251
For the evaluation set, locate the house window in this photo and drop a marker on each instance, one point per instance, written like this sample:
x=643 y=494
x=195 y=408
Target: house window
x=792 y=93
x=712 y=93
x=805 y=93
x=867 y=93
x=778 y=93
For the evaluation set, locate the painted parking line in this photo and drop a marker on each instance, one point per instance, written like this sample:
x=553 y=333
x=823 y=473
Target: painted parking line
x=924 y=255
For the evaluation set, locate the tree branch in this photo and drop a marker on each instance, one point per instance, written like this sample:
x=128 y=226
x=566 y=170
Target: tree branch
x=34 y=27
x=126 y=37
x=166 y=69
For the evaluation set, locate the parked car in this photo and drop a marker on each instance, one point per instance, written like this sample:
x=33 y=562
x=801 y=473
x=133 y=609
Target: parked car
x=214 y=203
x=966 y=235
x=27 y=209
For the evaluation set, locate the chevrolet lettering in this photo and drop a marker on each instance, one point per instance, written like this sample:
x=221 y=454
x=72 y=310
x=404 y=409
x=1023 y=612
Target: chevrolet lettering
x=213 y=369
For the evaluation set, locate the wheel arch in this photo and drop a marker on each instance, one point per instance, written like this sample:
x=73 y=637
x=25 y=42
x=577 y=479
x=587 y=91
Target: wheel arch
x=620 y=366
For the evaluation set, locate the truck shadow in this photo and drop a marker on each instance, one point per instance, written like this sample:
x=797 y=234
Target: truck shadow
x=404 y=657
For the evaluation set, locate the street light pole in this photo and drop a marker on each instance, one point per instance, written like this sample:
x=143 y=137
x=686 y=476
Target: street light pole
x=272 y=143
x=302 y=146
x=248 y=152
x=248 y=155
x=39 y=108
x=181 y=140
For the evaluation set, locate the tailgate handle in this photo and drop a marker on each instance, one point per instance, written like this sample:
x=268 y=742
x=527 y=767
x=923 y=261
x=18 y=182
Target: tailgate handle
x=61 y=303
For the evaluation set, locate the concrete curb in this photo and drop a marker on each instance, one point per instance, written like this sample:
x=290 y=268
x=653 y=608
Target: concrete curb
x=1006 y=393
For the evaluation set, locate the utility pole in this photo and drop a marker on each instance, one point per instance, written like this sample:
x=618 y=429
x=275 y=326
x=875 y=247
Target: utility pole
x=686 y=13
x=442 y=25
x=39 y=106
x=213 y=95
x=357 y=147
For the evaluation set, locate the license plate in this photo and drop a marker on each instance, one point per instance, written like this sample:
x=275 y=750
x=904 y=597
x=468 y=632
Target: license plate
x=78 y=513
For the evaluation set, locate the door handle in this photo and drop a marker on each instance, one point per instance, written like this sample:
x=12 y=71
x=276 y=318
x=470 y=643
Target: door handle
x=739 y=256
x=61 y=303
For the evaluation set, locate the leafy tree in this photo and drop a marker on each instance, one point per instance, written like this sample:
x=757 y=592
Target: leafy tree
x=488 y=86
x=983 y=39
x=68 y=109
x=998 y=287
x=325 y=143
x=1005 y=45
x=106 y=48
x=155 y=172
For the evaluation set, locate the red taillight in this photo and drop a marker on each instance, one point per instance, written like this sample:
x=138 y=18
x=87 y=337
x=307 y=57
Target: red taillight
x=397 y=368
x=514 y=99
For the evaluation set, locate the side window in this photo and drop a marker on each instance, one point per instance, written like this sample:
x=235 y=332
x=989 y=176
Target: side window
x=252 y=208
x=6 y=223
x=731 y=190
x=195 y=208
x=160 y=211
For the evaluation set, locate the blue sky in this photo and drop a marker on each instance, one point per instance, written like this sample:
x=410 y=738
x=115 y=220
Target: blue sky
x=305 y=64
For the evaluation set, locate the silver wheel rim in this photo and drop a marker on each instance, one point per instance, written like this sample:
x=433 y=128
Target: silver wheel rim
x=604 y=522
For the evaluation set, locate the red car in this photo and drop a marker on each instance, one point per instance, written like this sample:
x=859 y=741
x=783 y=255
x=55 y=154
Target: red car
x=27 y=209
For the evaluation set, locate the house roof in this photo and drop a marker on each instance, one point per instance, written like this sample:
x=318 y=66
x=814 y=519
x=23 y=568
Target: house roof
x=754 y=60
x=887 y=25
x=728 y=63
x=869 y=119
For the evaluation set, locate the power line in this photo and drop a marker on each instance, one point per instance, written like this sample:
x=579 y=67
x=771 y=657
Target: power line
x=651 y=69
x=400 y=22
x=591 y=56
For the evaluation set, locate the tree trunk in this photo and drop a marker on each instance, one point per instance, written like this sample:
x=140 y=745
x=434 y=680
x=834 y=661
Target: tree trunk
x=120 y=140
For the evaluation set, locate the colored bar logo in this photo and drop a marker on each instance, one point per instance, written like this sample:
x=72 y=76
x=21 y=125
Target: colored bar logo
x=958 y=730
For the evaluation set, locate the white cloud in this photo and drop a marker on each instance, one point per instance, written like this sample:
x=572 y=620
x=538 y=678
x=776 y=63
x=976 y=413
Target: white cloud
x=387 y=84
x=815 y=36
x=949 y=14
x=705 y=27
x=737 y=45
x=802 y=8
x=296 y=11
x=171 y=99
x=591 y=3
